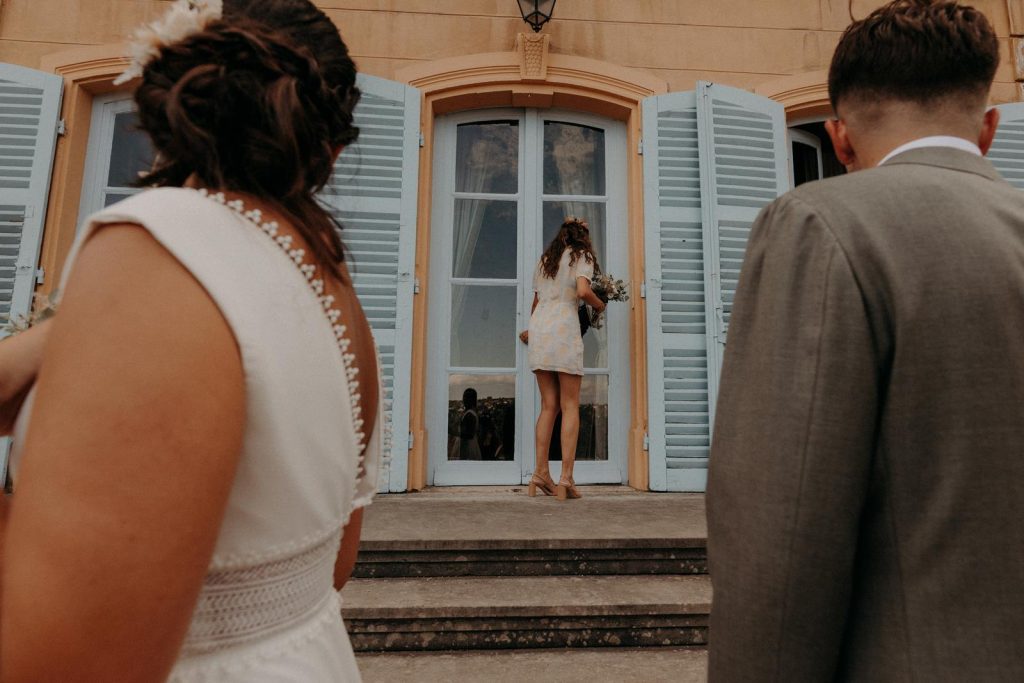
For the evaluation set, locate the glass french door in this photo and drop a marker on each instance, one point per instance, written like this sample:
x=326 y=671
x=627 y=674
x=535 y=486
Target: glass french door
x=504 y=182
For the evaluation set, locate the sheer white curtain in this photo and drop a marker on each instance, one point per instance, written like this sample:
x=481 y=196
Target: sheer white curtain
x=493 y=151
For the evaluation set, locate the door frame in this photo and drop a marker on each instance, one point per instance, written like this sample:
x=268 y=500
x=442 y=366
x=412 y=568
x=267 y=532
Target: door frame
x=530 y=197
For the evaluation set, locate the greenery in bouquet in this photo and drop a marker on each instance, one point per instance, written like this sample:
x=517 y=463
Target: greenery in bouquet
x=607 y=289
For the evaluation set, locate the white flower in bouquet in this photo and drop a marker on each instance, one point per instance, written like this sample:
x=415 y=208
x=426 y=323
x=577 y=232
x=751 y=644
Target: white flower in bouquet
x=607 y=289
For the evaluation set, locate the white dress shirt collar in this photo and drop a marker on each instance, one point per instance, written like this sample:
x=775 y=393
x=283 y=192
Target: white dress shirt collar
x=934 y=141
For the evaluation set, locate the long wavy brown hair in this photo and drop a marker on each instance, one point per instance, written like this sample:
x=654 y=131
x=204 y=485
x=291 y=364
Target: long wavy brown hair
x=574 y=235
x=257 y=103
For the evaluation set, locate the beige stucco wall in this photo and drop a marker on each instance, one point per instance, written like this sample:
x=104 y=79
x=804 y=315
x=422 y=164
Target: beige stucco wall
x=737 y=42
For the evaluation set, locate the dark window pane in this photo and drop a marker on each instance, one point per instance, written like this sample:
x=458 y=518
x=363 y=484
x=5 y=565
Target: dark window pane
x=131 y=152
x=574 y=159
x=487 y=157
x=486 y=239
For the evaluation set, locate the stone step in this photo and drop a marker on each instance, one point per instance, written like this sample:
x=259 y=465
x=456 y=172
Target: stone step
x=618 y=665
x=473 y=613
x=573 y=557
x=495 y=531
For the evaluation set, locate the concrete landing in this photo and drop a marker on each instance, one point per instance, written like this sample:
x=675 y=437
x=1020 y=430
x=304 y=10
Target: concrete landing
x=647 y=665
x=460 y=517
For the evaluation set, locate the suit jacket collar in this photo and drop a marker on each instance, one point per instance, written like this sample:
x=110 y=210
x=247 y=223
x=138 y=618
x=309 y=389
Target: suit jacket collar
x=947 y=157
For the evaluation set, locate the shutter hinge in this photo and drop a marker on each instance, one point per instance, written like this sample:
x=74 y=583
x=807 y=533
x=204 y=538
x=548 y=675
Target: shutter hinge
x=423 y=140
x=40 y=276
x=416 y=286
x=643 y=290
x=62 y=127
x=411 y=441
x=647 y=442
x=640 y=147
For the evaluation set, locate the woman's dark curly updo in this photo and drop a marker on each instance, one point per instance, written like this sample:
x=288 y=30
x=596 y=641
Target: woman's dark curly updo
x=259 y=102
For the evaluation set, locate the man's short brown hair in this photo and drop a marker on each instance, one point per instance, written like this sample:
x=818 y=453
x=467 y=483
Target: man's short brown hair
x=919 y=51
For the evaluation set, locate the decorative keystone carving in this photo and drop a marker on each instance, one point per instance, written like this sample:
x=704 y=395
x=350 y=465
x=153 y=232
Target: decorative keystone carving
x=533 y=55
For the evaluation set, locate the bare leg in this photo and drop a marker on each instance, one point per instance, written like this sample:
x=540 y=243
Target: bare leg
x=547 y=382
x=569 y=399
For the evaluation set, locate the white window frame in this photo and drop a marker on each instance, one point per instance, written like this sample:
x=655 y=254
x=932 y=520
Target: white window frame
x=530 y=198
x=105 y=109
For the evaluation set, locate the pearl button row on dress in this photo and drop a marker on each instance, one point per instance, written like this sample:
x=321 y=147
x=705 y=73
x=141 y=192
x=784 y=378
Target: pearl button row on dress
x=308 y=270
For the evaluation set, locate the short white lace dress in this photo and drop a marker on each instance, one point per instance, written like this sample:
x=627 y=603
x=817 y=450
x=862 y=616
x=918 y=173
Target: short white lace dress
x=555 y=342
x=268 y=610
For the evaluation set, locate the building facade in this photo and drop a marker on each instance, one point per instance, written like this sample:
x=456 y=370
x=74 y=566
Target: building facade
x=667 y=125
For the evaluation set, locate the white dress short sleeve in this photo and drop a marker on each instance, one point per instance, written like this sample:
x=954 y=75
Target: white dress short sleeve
x=268 y=610
x=556 y=344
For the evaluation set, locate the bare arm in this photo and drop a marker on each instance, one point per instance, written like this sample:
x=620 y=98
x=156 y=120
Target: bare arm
x=346 y=561
x=20 y=357
x=583 y=291
x=128 y=464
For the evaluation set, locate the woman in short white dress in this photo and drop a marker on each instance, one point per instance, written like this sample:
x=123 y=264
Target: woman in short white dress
x=561 y=280
x=204 y=428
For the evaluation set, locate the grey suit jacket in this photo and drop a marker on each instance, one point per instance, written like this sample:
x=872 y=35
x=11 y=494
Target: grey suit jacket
x=866 y=487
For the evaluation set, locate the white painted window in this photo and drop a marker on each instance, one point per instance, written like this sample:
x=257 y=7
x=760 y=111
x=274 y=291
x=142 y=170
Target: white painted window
x=504 y=182
x=118 y=152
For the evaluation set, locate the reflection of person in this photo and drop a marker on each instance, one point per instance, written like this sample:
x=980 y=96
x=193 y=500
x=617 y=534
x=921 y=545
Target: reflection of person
x=194 y=445
x=506 y=450
x=867 y=468
x=469 y=446
x=561 y=280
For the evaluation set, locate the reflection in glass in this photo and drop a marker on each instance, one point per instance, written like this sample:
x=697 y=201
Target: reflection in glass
x=486 y=243
x=574 y=159
x=131 y=152
x=481 y=417
x=483 y=326
x=593 y=212
x=487 y=157
x=593 y=440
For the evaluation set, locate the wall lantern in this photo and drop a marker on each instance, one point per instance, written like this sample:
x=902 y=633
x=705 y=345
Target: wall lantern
x=536 y=13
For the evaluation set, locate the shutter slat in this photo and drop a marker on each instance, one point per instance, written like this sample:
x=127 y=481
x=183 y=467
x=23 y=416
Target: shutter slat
x=1007 y=152
x=373 y=195
x=29 y=108
x=679 y=426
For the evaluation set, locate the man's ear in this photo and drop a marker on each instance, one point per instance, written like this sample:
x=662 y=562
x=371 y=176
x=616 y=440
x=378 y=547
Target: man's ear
x=337 y=151
x=841 y=142
x=988 y=130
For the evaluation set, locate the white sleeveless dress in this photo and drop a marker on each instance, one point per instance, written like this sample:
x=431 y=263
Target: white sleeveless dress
x=268 y=610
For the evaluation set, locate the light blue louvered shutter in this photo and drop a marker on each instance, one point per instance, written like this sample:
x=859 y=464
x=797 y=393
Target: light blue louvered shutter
x=29 y=111
x=374 y=195
x=744 y=166
x=1007 y=152
x=677 y=318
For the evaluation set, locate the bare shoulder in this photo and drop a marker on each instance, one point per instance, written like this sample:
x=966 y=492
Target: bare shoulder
x=128 y=463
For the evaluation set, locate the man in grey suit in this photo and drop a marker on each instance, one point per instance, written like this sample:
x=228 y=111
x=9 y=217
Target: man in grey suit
x=866 y=487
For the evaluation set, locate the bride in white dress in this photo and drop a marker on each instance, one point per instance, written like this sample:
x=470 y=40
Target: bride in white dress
x=205 y=424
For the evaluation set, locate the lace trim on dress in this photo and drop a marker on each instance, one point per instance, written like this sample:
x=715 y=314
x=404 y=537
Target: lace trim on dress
x=216 y=669
x=241 y=605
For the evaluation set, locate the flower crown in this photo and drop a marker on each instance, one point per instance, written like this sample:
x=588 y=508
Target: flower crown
x=185 y=18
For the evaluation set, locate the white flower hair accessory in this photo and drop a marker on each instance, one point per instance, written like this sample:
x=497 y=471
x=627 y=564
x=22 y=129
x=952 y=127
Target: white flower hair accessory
x=185 y=18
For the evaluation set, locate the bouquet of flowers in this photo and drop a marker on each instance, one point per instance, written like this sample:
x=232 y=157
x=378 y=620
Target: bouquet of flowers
x=43 y=308
x=607 y=289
